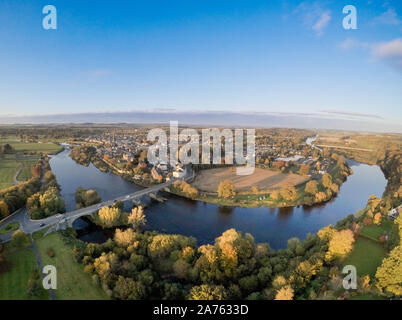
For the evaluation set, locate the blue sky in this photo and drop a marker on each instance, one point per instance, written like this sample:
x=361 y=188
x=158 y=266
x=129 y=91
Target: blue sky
x=202 y=55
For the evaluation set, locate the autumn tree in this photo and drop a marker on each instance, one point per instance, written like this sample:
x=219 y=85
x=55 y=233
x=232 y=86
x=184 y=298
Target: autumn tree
x=340 y=244
x=137 y=218
x=377 y=218
x=226 y=189
x=124 y=238
x=285 y=293
x=326 y=180
x=3 y=209
x=389 y=274
x=207 y=292
x=304 y=169
x=288 y=192
x=109 y=217
x=311 y=187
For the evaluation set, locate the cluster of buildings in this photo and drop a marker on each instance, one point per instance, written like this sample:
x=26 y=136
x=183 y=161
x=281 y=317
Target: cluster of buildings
x=119 y=147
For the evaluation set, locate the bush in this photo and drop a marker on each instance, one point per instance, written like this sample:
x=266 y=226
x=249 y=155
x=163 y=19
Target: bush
x=19 y=239
x=50 y=253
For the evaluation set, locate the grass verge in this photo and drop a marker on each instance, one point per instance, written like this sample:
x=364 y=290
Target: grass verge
x=10 y=227
x=72 y=282
x=13 y=283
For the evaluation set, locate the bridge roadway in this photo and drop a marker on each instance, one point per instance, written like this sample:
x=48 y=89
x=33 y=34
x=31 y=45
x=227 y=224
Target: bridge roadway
x=30 y=226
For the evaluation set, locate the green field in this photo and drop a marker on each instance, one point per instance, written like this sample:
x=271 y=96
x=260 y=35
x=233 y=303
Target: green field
x=18 y=145
x=8 y=168
x=72 y=281
x=366 y=256
x=374 y=232
x=13 y=283
x=10 y=227
x=25 y=154
x=25 y=173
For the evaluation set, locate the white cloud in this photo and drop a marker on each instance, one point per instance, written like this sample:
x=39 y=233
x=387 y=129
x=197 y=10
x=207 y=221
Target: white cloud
x=349 y=44
x=389 y=52
x=389 y=17
x=313 y=16
x=322 y=23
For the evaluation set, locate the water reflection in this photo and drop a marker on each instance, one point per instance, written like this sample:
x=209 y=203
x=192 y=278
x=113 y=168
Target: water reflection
x=285 y=212
x=225 y=209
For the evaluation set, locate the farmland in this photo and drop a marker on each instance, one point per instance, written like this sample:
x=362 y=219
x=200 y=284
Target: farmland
x=263 y=179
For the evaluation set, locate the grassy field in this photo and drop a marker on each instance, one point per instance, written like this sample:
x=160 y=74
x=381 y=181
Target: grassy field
x=25 y=173
x=263 y=179
x=8 y=168
x=72 y=281
x=374 y=232
x=13 y=283
x=366 y=256
x=10 y=227
x=18 y=145
x=36 y=147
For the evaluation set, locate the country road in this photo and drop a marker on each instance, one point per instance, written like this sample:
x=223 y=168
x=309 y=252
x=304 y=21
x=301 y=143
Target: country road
x=15 y=181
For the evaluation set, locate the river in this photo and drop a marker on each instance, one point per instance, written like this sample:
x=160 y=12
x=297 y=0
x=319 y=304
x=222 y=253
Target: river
x=206 y=221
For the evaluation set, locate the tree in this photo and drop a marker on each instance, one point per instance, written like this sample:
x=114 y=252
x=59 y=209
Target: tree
x=389 y=274
x=124 y=238
x=51 y=202
x=19 y=239
x=340 y=244
x=311 y=187
x=3 y=209
x=377 y=218
x=86 y=198
x=226 y=189
x=304 y=169
x=288 y=192
x=137 y=218
x=326 y=180
x=207 y=292
x=109 y=217
x=320 y=197
x=7 y=148
x=285 y=293
x=128 y=289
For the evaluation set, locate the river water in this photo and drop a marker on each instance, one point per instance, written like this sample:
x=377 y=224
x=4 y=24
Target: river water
x=206 y=221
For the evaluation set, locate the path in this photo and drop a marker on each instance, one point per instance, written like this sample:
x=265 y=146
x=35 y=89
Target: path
x=15 y=181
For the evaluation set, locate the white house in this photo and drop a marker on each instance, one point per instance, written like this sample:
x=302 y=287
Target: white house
x=179 y=173
x=394 y=213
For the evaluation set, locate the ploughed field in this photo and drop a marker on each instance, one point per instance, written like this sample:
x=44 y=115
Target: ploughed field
x=263 y=179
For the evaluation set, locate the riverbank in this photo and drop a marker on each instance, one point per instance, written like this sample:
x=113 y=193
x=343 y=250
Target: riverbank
x=286 y=196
